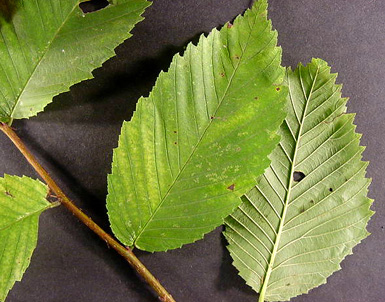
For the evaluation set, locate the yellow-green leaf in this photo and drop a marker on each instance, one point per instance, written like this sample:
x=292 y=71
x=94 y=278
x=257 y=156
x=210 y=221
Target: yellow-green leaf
x=22 y=200
x=198 y=142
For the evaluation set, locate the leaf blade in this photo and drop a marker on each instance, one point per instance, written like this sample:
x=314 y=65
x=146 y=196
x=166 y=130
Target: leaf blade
x=50 y=45
x=187 y=137
x=303 y=240
x=22 y=200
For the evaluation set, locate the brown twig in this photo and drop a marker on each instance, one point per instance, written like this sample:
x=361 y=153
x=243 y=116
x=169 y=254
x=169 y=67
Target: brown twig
x=126 y=253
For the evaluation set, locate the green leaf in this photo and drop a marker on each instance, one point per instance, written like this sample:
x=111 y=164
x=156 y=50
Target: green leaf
x=310 y=208
x=198 y=142
x=49 y=45
x=22 y=200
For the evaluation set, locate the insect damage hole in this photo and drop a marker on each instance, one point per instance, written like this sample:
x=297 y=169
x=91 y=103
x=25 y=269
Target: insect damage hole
x=93 y=5
x=298 y=176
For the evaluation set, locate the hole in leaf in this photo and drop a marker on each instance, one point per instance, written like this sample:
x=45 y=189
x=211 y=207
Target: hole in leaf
x=298 y=176
x=93 y=5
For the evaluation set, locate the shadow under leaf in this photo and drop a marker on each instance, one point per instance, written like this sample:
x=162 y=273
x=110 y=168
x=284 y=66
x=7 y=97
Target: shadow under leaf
x=7 y=9
x=111 y=96
x=229 y=276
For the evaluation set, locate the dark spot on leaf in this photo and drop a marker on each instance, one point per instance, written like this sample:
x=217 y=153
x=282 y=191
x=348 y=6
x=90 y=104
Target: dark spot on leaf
x=175 y=143
x=287 y=284
x=278 y=88
x=312 y=201
x=8 y=194
x=212 y=117
x=236 y=57
x=222 y=74
x=256 y=98
x=93 y=5
x=175 y=131
x=229 y=25
x=382 y=227
x=331 y=189
x=231 y=187
x=298 y=176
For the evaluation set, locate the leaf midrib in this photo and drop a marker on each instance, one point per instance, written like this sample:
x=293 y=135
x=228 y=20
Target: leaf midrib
x=44 y=53
x=292 y=168
x=202 y=136
x=26 y=216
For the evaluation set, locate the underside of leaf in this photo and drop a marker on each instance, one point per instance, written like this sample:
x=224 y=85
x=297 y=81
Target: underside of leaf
x=201 y=138
x=310 y=208
x=46 y=46
x=21 y=202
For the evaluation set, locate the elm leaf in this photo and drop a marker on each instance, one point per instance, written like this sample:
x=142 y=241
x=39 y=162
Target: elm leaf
x=46 y=46
x=22 y=200
x=198 y=142
x=310 y=208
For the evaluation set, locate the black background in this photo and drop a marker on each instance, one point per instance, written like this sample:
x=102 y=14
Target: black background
x=75 y=136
